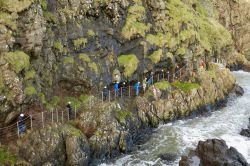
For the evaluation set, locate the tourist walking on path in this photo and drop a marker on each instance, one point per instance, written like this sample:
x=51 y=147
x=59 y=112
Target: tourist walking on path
x=137 y=88
x=116 y=88
x=105 y=93
x=21 y=124
x=70 y=112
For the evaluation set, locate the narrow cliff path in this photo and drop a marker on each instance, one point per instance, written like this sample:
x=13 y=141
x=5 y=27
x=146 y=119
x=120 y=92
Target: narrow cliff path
x=179 y=137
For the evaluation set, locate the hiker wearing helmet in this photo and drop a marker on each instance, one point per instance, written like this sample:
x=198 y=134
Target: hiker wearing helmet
x=105 y=93
x=70 y=112
x=21 y=124
x=137 y=88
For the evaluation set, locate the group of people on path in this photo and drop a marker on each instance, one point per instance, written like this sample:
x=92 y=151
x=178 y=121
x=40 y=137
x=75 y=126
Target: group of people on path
x=119 y=87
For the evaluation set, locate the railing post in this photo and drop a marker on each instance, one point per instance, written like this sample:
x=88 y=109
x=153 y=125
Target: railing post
x=173 y=76
x=62 y=116
x=158 y=77
x=90 y=102
x=52 y=116
x=115 y=94
x=129 y=95
x=75 y=112
x=18 y=132
x=57 y=116
x=31 y=124
x=168 y=76
x=68 y=115
x=109 y=95
x=102 y=97
x=43 y=119
x=121 y=92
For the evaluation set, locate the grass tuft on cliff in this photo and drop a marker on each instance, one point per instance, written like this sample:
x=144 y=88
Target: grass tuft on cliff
x=156 y=56
x=15 y=5
x=185 y=86
x=162 y=85
x=134 y=22
x=80 y=42
x=18 y=60
x=6 y=158
x=122 y=115
x=30 y=90
x=129 y=62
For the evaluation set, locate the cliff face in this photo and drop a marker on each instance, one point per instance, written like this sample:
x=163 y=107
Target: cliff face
x=111 y=128
x=235 y=16
x=51 y=50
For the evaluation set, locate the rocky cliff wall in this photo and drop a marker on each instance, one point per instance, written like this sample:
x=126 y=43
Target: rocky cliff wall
x=52 y=51
x=112 y=128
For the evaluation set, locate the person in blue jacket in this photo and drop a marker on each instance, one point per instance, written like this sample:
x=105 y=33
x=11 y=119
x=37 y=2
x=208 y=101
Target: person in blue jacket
x=116 y=88
x=21 y=124
x=137 y=88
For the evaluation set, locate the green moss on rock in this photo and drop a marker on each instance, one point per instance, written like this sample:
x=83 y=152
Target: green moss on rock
x=80 y=42
x=185 y=86
x=121 y=115
x=156 y=56
x=84 y=57
x=93 y=67
x=6 y=158
x=130 y=63
x=58 y=46
x=29 y=74
x=18 y=60
x=134 y=22
x=30 y=90
x=68 y=60
x=162 y=85
x=7 y=20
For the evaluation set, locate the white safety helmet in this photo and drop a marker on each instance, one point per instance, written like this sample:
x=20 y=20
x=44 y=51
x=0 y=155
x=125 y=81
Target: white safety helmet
x=69 y=102
x=22 y=115
x=138 y=82
x=105 y=87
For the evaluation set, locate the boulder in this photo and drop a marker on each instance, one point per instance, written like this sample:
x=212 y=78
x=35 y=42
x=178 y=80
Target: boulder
x=168 y=156
x=213 y=152
x=239 y=91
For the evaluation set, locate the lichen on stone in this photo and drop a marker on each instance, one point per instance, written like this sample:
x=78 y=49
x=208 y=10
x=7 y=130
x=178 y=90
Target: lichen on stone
x=129 y=62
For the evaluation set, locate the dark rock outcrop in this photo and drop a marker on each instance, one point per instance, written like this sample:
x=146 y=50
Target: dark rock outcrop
x=246 y=132
x=213 y=152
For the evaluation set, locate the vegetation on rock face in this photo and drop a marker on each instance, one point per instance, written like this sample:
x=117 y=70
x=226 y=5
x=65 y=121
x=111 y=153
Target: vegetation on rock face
x=162 y=85
x=8 y=20
x=29 y=74
x=18 y=60
x=93 y=66
x=84 y=57
x=68 y=60
x=185 y=86
x=58 y=45
x=121 y=115
x=80 y=42
x=134 y=21
x=6 y=158
x=15 y=5
x=129 y=62
x=30 y=90
x=156 y=56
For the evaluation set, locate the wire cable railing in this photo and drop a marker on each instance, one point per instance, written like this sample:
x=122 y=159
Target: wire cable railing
x=41 y=119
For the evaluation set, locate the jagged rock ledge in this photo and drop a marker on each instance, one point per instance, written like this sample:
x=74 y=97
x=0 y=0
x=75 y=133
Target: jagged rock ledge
x=108 y=129
x=213 y=152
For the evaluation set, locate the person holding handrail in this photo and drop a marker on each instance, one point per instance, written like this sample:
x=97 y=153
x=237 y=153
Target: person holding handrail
x=137 y=88
x=105 y=93
x=21 y=124
x=70 y=112
x=116 y=88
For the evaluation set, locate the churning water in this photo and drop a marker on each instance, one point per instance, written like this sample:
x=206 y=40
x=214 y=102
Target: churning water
x=181 y=136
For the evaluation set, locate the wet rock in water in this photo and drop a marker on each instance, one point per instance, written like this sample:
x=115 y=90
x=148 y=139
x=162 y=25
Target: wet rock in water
x=245 y=132
x=239 y=91
x=213 y=152
x=168 y=156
